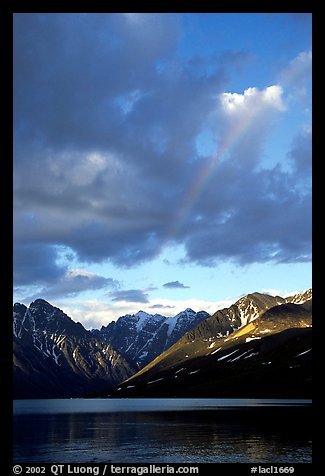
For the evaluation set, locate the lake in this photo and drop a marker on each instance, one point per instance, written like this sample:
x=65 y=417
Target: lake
x=162 y=431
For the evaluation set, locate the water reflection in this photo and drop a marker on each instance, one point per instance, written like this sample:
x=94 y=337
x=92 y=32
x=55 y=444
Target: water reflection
x=229 y=435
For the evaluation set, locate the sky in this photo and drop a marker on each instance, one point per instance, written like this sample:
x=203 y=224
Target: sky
x=161 y=160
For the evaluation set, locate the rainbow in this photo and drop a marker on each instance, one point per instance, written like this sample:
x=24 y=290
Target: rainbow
x=243 y=124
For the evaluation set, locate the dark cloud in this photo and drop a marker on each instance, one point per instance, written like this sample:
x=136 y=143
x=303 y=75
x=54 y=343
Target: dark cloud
x=106 y=121
x=37 y=266
x=267 y=219
x=129 y=295
x=69 y=70
x=300 y=156
x=161 y=306
x=36 y=263
x=175 y=285
x=72 y=283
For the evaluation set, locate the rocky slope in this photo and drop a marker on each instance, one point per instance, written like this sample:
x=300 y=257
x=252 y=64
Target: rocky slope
x=192 y=354
x=141 y=337
x=269 y=356
x=56 y=357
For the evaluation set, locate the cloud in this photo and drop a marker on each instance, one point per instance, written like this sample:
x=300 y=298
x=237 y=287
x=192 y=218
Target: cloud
x=77 y=280
x=129 y=295
x=249 y=224
x=96 y=313
x=106 y=122
x=298 y=71
x=252 y=99
x=161 y=306
x=35 y=263
x=296 y=78
x=300 y=155
x=72 y=283
x=175 y=285
x=271 y=291
x=79 y=77
x=244 y=122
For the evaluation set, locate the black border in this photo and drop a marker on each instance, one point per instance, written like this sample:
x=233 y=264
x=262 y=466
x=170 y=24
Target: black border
x=8 y=9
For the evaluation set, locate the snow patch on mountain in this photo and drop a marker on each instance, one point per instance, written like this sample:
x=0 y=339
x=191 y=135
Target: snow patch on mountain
x=143 y=336
x=142 y=319
x=57 y=357
x=301 y=297
x=248 y=339
x=227 y=355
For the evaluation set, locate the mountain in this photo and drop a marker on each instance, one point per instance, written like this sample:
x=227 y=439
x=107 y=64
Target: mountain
x=57 y=357
x=301 y=298
x=225 y=321
x=261 y=345
x=141 y=337
x=269 y=356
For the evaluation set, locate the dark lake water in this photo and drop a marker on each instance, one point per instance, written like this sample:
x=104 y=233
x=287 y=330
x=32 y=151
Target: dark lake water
x=162 y=431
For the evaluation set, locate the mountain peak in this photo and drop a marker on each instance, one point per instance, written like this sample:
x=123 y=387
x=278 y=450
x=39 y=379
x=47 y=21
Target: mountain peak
x=143 y=336
x=56 y=357
x=301 y=297
x=143 y=314
x=41 y=301
x=49 y=345
x=19 y=308
x=43 y=316
x=41 y=304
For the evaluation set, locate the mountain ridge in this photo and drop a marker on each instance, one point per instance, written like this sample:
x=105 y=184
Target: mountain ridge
x=242 y=344
x=54 y=356
x=142 y=336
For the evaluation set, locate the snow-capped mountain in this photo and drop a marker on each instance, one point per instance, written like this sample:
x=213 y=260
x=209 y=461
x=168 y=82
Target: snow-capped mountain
x=225 y=321
x=245 y=310
x=301 y=298
x=270 y=356
x=142 y=336
x=57 y=357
